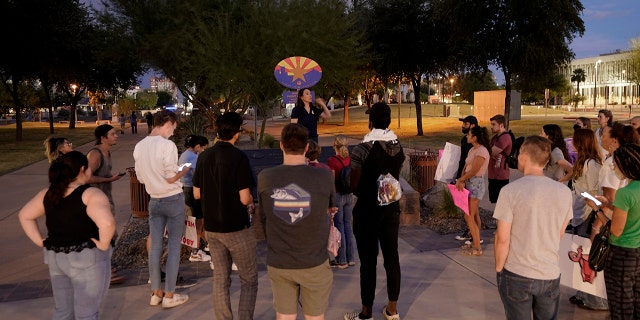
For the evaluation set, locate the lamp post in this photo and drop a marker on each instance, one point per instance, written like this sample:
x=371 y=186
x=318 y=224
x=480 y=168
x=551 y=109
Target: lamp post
x=74 y=87
x=595 y=87
x=451 y=80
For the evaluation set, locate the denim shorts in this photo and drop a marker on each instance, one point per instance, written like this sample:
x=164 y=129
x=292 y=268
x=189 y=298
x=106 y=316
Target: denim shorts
x=476 y=187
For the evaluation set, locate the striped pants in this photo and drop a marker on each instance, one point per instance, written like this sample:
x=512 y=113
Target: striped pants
x=622 y=279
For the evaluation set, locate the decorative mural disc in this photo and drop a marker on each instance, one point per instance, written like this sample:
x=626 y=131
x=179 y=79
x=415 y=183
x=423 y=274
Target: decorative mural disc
x=298 y=72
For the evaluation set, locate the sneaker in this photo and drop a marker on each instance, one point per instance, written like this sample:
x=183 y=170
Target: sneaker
x=233 y=266
x=199 y=256
x=181 y=283
x=174 y=301
x=355 y=316
x=155 y=300
x=211 y=264
x=464 y=237
x=334 y=264
x=390 y=317
x=351 y=263
x=207 y=248
x=468 y=242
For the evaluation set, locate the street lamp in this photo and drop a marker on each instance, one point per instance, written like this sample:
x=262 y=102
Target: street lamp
x=74 y=87
x=451 y=80
x=595 y=87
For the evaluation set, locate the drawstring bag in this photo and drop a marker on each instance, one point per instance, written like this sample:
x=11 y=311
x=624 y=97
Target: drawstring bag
x=389 y=190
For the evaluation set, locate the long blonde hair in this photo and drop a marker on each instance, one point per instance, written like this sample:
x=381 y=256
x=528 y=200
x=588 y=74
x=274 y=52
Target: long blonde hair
x=341 y=145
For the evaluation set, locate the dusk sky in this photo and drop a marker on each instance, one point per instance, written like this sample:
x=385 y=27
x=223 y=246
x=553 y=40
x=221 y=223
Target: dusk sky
x=609 y=25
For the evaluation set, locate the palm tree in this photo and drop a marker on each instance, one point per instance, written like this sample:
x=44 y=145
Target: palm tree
x=577 y=77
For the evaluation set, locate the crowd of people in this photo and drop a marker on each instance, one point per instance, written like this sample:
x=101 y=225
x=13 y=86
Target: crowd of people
x=300 y=197
x=534 y=212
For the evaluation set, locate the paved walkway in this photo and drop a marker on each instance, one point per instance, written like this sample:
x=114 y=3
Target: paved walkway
x=437 y=281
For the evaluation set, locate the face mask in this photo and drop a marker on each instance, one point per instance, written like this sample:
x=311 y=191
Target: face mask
x=576 y=127
x=465 y=131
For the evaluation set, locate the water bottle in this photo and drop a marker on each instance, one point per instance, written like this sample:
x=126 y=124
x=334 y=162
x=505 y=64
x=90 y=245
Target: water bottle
x=498 y=161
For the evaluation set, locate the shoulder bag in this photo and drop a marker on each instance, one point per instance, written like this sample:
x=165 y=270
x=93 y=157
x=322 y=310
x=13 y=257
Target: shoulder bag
x=600 y=248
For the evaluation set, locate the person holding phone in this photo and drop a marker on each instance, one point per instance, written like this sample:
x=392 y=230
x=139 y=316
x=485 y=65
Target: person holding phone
x=102 y=178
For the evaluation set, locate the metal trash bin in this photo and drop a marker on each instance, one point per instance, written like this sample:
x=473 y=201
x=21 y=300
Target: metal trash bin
x=423 y=169
x=139 y=196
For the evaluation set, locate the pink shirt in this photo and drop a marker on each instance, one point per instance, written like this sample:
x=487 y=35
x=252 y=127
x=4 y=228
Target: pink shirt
x=481 y=152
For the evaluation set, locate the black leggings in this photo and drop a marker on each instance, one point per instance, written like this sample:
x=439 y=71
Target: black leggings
x=370 y=228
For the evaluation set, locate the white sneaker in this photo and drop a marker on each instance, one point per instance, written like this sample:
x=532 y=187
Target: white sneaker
x=389 y=317
x=355 y=316
x=155 y=300
x=234 y=267
x=174 y=301
x=199 y=256
x=469 y=242
x=207 y=248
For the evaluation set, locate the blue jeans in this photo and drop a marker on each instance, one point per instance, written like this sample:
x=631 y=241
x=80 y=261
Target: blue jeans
x=521 y=296
x=342 y=221
x=79 y=281
x=165 y=212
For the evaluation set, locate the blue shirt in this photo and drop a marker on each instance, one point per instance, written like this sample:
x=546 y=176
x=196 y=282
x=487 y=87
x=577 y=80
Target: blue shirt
x=188 y=156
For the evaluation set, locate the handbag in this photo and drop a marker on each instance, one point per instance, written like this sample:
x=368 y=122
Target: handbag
x=334 y=238
x=600 y=248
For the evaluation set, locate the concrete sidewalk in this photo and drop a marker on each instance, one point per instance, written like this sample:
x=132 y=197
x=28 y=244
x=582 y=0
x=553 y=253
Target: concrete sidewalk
x=437 y=281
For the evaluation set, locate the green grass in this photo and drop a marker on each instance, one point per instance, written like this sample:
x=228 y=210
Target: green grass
x=15 y=155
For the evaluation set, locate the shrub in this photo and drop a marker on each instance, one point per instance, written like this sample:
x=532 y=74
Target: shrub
x=446 y=208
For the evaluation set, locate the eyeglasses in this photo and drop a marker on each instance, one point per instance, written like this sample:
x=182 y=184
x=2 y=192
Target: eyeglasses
x=68 y=144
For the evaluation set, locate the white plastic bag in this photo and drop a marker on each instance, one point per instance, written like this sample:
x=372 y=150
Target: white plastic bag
x=389 y=190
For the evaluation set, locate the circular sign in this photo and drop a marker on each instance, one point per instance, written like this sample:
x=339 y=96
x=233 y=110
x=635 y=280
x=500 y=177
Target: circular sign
x=298 y=72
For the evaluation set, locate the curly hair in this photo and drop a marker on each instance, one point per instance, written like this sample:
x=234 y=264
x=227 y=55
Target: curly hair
x=627 y=159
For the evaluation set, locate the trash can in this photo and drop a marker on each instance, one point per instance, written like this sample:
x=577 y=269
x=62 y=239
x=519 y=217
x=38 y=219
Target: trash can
x=139 y=196
x=423 y=169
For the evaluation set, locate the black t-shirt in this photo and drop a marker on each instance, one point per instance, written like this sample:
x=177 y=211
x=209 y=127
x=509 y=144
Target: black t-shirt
x=221 y=172
x=307 y=119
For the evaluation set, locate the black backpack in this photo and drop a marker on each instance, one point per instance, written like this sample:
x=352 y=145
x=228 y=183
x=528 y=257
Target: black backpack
x=343 y=182
x=512 y=159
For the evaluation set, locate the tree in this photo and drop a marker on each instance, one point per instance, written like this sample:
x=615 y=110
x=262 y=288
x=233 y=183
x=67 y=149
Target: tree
x=577 y=77
x=530 y=38
x=221 y=54
x=471 y=82
x=147 y=100
x=634 y=69
x=401 y=34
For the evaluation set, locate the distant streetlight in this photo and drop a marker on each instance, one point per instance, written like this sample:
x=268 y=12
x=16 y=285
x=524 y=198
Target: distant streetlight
x=595 y=87
x=451 y=80
x=74 y=87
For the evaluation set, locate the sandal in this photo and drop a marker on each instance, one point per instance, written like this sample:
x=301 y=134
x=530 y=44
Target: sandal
x=466 y=247
x=473 y=252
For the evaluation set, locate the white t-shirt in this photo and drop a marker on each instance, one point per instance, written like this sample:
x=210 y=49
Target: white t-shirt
x=156 y=160
x=537 y=208
x=607 y=177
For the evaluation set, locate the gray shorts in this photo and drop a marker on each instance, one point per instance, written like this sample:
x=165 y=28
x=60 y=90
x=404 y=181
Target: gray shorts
x=476 y=187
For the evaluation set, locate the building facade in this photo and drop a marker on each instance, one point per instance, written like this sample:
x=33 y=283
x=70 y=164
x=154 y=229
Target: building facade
x=606 y=80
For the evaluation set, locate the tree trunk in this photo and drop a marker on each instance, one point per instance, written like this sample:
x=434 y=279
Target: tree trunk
x=345 y=119
x=507 y=97
x=416 y=101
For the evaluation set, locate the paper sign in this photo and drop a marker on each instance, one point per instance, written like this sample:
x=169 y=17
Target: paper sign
x=460 y=198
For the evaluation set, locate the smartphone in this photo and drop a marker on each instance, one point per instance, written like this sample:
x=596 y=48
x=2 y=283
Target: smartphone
x=592 y=198
x=186 y=164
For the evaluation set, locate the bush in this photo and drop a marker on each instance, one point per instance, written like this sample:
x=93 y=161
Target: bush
x=269 y=141
x=447 y=208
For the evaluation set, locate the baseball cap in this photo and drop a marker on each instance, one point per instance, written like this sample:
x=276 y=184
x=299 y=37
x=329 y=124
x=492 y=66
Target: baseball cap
x=469 y=119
